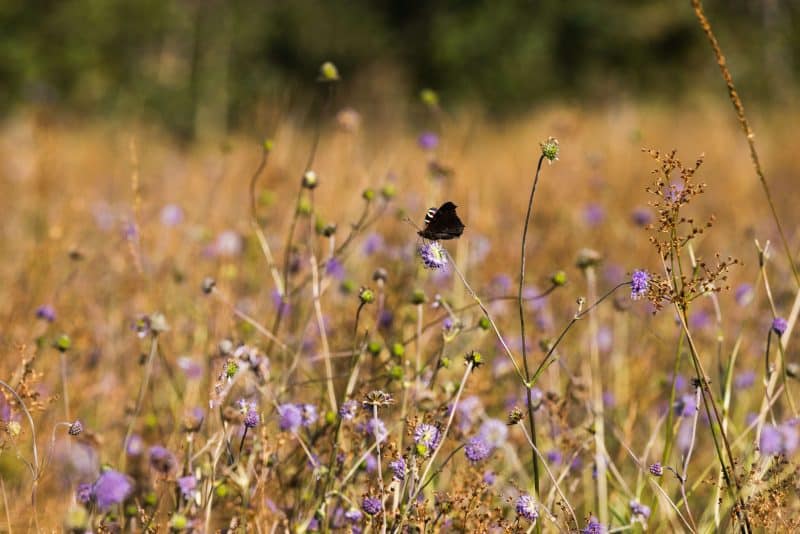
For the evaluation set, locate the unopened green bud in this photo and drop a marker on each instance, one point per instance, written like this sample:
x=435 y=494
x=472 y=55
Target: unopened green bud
x=328 y=72
x=429 y=97
x=388 y=191
x=63 y=343
x=366 y=295
x=398 y=350
x=550 y=149
x=310 y=180
x=418 y=297
x=483 y=323
x=559 y=278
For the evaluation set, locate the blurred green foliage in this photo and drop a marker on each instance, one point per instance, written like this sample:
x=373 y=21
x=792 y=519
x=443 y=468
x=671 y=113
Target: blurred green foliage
x=182 y=61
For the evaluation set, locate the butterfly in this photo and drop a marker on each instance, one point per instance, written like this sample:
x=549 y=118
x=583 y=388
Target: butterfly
x=442 y=223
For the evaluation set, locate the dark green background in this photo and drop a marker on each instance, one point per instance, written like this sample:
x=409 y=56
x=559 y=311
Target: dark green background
x=160 y=59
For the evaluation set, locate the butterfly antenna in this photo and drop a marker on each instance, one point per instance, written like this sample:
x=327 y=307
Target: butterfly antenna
x=409 y=221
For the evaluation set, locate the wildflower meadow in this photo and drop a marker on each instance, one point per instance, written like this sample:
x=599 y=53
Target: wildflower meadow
x=580 y=319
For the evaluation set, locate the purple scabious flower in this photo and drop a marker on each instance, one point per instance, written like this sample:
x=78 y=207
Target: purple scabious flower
x=594 y=527
x=639 y=282
x=526 y=507
x=251 y=418
x=190 y=367
x=371 y=463
x=467 y=411
x=313 y=525
x=398 y=468
x=161 y=459
x=112 y=487
x=779 y=325
x=428 y=141
x=371 y=505
x=353 y=515
x=84 y=493
x=594 y=214
x=187 y=486
x=427 y=435
x=46 y=312
x=135 y=445
x=290 y=417
x=771 y=441
x=335 y=269
x=554 y=457
x=494 y=432
x=639 y=509
x=656 y=469
x=373 y=243
x=433 y=255
x=228 y=244
x=489 y=477
x=743 y=294
x=685 y=406
x=641 y=216
x=348 y=410
x=745 y=379
x=171 y=215
x=477 y=449
x=310 y=414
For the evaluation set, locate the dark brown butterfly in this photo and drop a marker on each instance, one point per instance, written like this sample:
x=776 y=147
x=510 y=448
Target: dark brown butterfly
x=442 y=223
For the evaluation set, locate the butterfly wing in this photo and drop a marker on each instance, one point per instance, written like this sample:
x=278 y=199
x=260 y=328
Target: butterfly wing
x=444 y=224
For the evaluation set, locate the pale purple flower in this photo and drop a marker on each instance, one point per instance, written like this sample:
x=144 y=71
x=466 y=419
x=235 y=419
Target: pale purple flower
x=428 y=141
x=398 y=468
x=228 y=244
x=489 y=477
x=744 y=294
x=377 y=429
x=335 y=269
x=290 y=417
x=594 y=527
x=433 y=255
x=353 y=515
x=494 y=431
x=187 y=486
x=161 y=459
x=112 y=487
x=526 y=507
x=779 y=325
x=373 y=243
x=171 y=215
x=84 y=493
x=641 y=216
x=639 y=282
x=685 y=406
x=310 y=414
x=745 y=379
x=371 y=505
x=477 y=449
x=348 y=410
x=135 y=445
x=554 y=457
x=639 y=509
x=656 y=469
x=593 y=214
x=190 y=367
x=46 y=312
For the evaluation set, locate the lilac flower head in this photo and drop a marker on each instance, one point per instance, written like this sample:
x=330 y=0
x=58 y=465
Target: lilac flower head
x=686 y=406
x=771 y=441
x=639 y=509
x=779 y=325
x=373 y=243
x=639 y=282
x=187 y=485
x=428 y=140
x=310 y=414
x=494 y=431
x=190 y=367
x=353 y=515
x=161 y=459
x=656 y=469
x=743 y=294
x=251 y=418
x=477 y=449
x=290 y=417
x=594 y=527
x=433 y=255
x=398 y=468
x=46 y=312
x=348 y=410
x=135 y=445
x=427 y=436
x=112 y=487
x=594 y=214
x=791 y=437
x=228 y=244
x=84 y=493
x=335 y=269
x=171 y=215
x=371 y=505
x=526 y=507
x=489 y=477
x=745 y=379
x=554 y=457
x=641 y=216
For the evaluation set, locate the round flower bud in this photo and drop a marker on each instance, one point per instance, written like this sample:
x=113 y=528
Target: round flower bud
x=328 y=72
x=310 y=180
x=559 y=278
x=388 y=192
x=483 y=323
x=429 y=97
x=550 y=149
x=418 y=297
x=380 y=275
x=366 y=295
x=368 y=194
x=63 y=343
x=398 y=350
x=374 y=347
